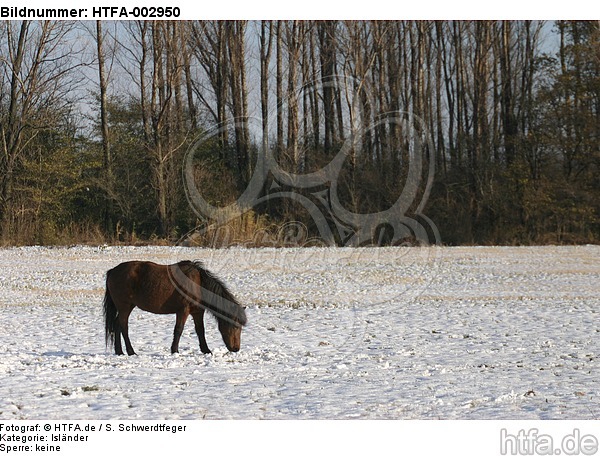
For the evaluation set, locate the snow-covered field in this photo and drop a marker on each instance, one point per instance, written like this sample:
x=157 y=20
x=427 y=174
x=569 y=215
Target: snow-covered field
x=448 y=333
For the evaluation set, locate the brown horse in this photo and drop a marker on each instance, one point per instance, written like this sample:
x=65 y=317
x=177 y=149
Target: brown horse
x=183 y=288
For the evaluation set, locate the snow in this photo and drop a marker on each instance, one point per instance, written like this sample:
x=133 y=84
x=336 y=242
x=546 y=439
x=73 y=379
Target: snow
x=403 y=333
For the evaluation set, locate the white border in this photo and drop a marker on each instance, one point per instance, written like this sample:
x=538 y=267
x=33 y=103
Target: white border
x=347 y=438
x=351 y=9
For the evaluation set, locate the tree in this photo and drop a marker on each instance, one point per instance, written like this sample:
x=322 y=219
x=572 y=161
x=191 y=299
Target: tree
x=38 y=81
x=106 y=140
x=513 y=130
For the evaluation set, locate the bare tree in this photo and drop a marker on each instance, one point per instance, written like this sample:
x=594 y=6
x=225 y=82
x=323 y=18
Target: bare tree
x=236 y=46
x=279 y=85
x=38 y=82
x=266 y=47
x=293 y=35
x=104 y=128
x=209 y=45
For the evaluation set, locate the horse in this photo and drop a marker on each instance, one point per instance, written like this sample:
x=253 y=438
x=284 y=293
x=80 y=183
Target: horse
x=184 y=288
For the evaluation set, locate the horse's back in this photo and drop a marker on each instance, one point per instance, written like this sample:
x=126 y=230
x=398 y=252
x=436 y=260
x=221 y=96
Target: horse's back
x=143 y=284
x=123 y=279
x=133 y=267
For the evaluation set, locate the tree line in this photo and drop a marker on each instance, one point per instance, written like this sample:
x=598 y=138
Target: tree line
x=96 y=119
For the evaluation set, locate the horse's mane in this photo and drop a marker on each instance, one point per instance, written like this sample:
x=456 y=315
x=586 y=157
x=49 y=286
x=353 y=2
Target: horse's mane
x=215 y=296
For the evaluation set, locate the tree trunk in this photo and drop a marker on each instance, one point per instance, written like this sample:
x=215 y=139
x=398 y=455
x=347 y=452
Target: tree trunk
x=279 y=86
x=266 y=41
x=106 y=144
x=12 y=133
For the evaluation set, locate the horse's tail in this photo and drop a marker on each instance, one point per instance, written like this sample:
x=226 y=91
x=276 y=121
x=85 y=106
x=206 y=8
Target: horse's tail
x=110 y=317
x=218 y=299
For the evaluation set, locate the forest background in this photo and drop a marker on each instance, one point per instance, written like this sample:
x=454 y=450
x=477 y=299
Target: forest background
x=96 y=119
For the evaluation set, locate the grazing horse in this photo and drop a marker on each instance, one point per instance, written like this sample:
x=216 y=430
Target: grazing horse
x=183 y=288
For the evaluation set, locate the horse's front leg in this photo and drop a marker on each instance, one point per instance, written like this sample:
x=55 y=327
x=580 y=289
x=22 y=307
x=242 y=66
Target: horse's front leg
x=179 y=325
x=199 y=324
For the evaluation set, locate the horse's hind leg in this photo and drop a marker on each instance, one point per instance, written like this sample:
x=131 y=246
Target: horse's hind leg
x=199 y=325
x=179 y=325
x=124 y=324
x=118 y=346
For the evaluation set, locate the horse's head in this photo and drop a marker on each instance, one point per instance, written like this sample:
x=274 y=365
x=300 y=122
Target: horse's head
x=231 y=333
